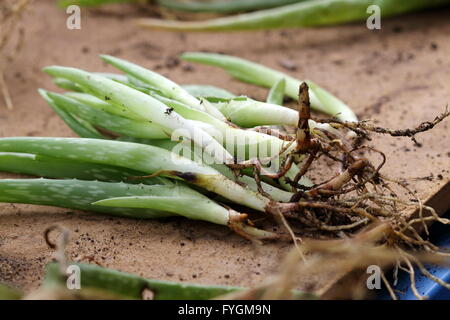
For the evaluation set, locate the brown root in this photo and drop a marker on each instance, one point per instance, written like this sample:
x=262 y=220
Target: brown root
x=363 y=127
x=357 y=203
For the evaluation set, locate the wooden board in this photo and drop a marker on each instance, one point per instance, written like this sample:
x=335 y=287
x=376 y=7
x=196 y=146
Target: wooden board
x=399 y=76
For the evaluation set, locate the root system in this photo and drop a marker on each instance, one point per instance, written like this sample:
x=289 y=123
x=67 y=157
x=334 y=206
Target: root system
x=359 y=215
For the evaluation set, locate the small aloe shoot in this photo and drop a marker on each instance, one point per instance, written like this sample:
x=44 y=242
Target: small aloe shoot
x=169 y=88
x=254 y=73
x=126 y=200
x=248 y=113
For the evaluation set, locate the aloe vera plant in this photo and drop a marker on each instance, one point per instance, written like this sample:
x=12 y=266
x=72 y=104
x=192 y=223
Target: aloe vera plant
x=130 y=162
x=312 y=13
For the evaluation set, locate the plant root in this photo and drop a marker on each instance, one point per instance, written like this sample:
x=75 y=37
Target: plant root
x=359 y=202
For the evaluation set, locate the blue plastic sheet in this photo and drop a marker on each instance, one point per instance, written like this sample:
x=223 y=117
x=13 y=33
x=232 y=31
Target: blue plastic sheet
x=440 y=236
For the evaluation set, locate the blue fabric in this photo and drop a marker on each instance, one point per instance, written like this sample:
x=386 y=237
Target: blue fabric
x=440 y=236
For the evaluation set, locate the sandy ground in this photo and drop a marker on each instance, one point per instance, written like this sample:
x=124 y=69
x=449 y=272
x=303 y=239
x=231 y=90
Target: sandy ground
x=399 y=76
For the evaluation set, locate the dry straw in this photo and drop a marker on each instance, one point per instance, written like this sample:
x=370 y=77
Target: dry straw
x=11 y=39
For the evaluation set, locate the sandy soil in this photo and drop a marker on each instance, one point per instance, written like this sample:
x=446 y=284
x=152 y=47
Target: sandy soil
x=399 y=76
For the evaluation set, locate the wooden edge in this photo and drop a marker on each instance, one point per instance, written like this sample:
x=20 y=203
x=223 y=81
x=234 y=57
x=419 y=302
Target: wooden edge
x=344 y=280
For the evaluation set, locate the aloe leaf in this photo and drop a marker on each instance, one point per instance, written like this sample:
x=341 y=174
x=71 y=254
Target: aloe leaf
x=138 y=157
x=129 y=286
x=276 y=93
x=168 y=87
x=223 y=6
x=78 y=195
x=50 y=167
x=190 y=206
x=106 y=120
x=251 y=113
x=67 y=85
x=82 y=129
x=315 y=13
x=101 y=105
x=8 y=293
x=88 y=3
x=254 y=73
x=208 y=92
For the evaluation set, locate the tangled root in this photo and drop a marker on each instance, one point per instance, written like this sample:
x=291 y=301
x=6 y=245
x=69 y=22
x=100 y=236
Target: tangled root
x=358 y=202
x=358 y=194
